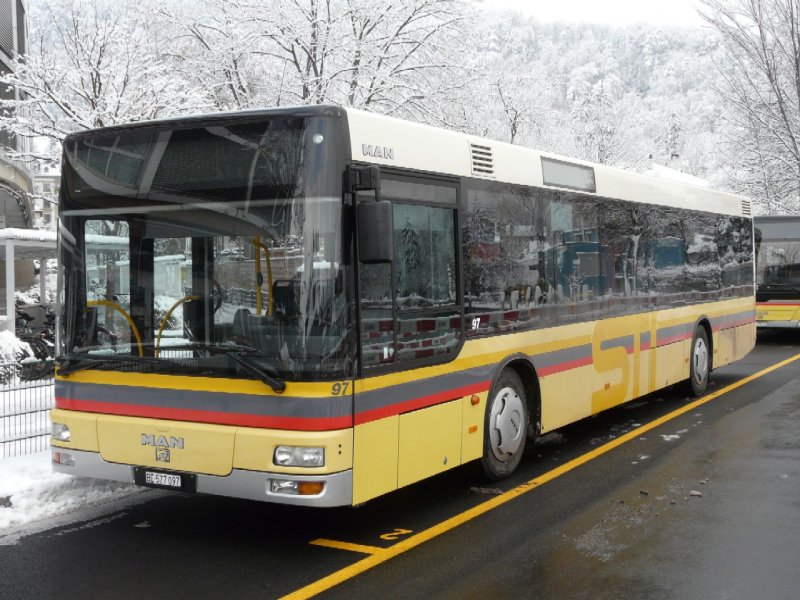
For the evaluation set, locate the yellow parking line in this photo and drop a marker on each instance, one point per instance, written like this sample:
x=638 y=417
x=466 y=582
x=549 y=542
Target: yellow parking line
x=347 y=546
x=407 y=544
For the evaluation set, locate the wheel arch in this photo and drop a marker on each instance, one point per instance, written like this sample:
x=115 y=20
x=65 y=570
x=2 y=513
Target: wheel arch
x=705 y=323
x=525 y=369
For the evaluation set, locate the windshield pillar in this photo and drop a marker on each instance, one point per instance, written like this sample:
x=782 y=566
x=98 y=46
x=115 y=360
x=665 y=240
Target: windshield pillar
x=142 y=285
x=199 y=313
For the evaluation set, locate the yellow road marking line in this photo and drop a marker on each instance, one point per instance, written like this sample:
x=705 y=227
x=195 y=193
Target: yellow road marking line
x=347 y=546
x=426 y=535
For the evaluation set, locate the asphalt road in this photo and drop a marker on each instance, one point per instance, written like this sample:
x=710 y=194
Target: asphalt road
x=635 y=503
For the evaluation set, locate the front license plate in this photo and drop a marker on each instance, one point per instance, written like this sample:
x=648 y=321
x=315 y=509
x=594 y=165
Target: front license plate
x=184 y=482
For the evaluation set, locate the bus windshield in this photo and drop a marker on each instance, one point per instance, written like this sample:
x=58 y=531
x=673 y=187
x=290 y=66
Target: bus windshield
x=209 y=248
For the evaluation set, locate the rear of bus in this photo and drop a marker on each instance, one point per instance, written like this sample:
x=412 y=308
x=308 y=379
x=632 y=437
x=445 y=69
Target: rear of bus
x=778 y=272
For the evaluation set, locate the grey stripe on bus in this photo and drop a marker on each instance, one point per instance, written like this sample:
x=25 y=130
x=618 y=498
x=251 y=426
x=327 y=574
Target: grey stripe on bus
x=246 y=404
x=339 y=406
x=545 y=360
x=727 y=321
x=682 y=330
x=412 y=390
x=625 y=341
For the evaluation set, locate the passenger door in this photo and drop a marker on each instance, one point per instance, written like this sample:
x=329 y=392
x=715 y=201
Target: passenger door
x=411 y=309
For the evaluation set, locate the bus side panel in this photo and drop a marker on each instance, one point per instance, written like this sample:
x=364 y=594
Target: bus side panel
x=732 y=344
x=566 y=397
x=375 y=451
x=672 y=363
x=430 y=442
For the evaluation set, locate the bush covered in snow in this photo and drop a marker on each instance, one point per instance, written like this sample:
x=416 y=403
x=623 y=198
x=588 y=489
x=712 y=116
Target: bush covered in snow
x=12 y=351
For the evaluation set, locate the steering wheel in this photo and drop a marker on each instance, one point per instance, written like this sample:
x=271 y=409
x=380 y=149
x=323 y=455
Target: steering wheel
x=217 y=295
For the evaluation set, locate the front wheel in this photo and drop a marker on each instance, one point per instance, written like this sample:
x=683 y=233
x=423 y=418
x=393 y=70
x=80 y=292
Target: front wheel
x=699 y=363
x=506 y=426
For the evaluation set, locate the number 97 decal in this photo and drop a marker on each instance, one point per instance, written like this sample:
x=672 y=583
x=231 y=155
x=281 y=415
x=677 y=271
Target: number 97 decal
x=340 y=389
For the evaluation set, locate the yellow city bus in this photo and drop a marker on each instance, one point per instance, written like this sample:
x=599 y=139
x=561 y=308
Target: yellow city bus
x=317 y=306
x=777 y=271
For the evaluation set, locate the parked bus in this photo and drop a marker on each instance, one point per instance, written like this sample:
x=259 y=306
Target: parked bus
x=366 y=302
x=778 y=271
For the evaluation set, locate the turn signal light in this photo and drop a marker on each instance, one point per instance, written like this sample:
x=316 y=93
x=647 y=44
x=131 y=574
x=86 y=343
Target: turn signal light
x=311 y=488
x=63 y=458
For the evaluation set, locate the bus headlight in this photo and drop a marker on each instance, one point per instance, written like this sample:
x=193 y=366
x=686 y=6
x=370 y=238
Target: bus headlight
x=299 y=456
x=60 y=432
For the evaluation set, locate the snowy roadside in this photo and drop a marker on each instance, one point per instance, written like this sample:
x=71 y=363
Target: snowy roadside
x=30 y=491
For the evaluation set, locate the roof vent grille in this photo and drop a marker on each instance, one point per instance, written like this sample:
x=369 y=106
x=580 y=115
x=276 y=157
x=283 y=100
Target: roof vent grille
x=747 y=208
x=482 y=160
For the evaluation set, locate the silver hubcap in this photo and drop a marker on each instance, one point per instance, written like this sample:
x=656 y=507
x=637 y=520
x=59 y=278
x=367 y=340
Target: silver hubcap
x=506 y=426
x=700 y=360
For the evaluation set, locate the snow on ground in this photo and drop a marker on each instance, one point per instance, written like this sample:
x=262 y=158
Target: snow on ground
x=30 y=491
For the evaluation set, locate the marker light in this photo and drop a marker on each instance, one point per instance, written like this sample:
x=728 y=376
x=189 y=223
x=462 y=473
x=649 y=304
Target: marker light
x=60 y=432
x=299 y=456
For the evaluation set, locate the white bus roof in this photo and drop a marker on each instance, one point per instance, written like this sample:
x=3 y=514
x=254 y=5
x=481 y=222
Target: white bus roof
x=393 y=142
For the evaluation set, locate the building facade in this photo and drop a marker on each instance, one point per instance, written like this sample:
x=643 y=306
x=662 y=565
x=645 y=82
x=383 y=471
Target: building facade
x=16 y=181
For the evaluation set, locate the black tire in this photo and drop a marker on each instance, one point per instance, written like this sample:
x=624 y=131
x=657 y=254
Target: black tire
x=699 y=363
x=505 y=426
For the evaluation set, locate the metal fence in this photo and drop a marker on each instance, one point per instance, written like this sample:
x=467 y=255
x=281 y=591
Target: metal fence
x=25 y=404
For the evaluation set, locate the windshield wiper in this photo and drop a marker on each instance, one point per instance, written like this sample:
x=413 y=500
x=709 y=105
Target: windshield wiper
x=73 y=362
x=241 y=356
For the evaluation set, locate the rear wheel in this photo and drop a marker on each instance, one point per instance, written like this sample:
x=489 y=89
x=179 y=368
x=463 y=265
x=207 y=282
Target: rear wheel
x=506 y=426
x=699 y=363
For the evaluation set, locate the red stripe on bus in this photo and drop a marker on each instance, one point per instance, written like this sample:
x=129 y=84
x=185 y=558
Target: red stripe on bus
x=734 y=324
x=423 y=402
x=202 y=416
x=672 y=339
x=565 y=366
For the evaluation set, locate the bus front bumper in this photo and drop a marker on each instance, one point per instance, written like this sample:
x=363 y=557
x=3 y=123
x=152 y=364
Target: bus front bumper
x=249 y=485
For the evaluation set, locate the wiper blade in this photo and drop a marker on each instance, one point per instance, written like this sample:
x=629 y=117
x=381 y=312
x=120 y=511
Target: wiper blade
x=241 y=356
x=78 y=362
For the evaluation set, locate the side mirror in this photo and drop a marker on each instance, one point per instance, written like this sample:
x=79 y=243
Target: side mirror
x=375 y=232
x=375 y=226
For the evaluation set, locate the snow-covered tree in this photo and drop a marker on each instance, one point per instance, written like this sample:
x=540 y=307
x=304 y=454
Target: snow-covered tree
x=92 y=63
x=393 y=60
x=761 y=78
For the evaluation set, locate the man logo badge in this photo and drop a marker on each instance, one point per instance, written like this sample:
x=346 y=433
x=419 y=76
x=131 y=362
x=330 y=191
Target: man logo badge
x=377 y=151
x=162 y=445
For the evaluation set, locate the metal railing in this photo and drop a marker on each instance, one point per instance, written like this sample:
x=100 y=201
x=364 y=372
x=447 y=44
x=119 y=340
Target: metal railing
x=25 y=403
